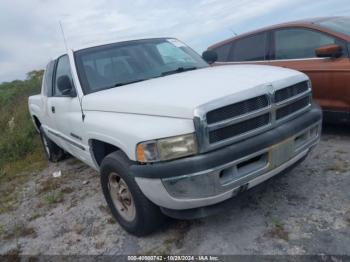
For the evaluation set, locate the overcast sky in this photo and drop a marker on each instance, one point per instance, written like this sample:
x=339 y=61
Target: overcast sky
x=30 y=33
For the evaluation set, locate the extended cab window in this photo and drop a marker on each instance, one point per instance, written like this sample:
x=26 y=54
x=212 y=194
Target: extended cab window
x=251 y=48
x=62 y=69
x=47 y=83
x=299 y=43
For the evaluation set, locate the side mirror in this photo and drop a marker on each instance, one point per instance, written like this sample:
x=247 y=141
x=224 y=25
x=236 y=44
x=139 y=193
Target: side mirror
x=65 y=86
x=332 y=51
x=210 y=56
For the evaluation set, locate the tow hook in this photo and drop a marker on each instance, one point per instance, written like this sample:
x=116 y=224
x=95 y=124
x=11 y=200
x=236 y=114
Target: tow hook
x=243 y=188
x=240 y=189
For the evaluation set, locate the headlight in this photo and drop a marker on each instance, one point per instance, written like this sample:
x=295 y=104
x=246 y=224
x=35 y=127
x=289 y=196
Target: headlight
x=166 y=148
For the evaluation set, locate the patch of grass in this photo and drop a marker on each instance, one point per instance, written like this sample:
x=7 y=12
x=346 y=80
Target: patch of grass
x=347 y=217
x=111 y=220
x=18 y=137
x=348 y=220
x=8 y=202
x=20 y=148
x=339 y=151
x=48 y=185
x=99 y=244
x=53 y=197
x=105 y=210
x=14 y=254
x=2 y=230
x=34 y=161
x=339 y=166
x=73 y=203
x=34 y=216
x=28 y=232
x=19 y=230
x=78 y=228
x=175 y=240
x=14 y=176
x=278 y=230
x=67 y=190
x=277 y=223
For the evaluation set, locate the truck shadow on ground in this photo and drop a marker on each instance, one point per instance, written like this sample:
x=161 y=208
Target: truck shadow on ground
x=340 y=129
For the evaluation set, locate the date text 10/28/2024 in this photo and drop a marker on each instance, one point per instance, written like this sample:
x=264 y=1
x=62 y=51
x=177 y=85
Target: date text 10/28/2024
x=173 y=258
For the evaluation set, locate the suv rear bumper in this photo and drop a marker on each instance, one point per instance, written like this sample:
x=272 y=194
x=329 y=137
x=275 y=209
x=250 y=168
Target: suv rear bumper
x=210 y=178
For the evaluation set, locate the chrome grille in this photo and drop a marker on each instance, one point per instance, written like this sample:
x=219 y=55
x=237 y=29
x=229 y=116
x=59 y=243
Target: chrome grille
x=219 y=126
x=239 y=128
x=291 y=91
x=237 y=109
x=292 y=108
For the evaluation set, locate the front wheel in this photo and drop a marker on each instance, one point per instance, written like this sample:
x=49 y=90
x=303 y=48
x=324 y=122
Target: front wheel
x=134 y=212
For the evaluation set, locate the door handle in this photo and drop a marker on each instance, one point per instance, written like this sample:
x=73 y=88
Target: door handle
x=53 y=109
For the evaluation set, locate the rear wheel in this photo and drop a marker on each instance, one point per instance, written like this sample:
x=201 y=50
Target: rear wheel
x=134 y=212
x=52 y=151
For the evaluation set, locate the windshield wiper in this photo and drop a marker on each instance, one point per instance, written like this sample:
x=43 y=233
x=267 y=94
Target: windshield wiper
x=178 y=70
x=123 y=83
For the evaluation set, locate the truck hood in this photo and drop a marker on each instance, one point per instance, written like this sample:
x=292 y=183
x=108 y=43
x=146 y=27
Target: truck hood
x=179 y=94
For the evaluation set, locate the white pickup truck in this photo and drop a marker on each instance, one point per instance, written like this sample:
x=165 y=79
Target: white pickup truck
x=168 y=133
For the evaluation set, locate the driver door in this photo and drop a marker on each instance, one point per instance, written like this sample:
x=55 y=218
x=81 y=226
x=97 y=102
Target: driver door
x=66 y=110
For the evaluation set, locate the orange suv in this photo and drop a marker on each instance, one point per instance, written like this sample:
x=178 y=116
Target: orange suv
x=318 y=47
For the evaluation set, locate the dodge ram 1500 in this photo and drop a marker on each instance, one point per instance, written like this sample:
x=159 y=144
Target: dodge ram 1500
x=168 y=133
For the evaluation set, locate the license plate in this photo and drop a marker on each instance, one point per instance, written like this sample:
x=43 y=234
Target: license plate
x=281 y=153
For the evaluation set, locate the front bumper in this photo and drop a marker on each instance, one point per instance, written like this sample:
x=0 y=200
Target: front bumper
x=210 y=178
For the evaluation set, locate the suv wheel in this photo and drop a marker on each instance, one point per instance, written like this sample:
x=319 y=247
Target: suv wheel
x=52 y=151
x=134 y=212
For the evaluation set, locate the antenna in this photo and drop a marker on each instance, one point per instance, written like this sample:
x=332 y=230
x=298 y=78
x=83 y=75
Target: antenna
x=233 y=32
x=79 y=98
x=64 y=37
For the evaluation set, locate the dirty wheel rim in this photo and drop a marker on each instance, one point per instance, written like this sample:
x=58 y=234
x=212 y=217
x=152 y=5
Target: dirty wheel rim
x=46 y=145
x=121 y=196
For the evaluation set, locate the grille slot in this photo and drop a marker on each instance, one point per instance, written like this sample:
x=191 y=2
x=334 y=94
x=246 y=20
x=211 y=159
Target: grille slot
x=291 y=91
x=292 y=108
x=239 y=128
x=237 y=109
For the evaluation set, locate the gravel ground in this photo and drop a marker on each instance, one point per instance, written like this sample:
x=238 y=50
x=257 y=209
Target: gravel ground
x=305 y=211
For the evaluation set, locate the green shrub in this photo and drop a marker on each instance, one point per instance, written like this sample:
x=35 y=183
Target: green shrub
x=18 y=137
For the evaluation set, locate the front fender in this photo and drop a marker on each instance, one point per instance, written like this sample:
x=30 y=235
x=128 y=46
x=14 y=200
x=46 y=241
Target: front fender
x=125 y=131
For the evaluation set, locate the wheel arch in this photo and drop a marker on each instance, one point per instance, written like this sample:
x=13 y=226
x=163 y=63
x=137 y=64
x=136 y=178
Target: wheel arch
x=37 y=122
x=99 y=149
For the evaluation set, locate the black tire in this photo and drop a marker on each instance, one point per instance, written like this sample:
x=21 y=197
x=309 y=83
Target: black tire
x=147 y=217
x=52 y=151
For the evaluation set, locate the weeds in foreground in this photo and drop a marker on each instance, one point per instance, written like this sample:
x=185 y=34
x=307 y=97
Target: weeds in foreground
x=18 y=230
x=20 y=149
x=53 y=197
x=277 y=230
x=15 y=175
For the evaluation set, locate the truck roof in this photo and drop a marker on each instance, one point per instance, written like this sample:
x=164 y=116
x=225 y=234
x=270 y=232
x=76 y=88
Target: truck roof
x=110 y=42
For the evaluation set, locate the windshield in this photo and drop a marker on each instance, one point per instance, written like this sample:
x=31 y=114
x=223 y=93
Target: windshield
x=123 y=63
x=337 y=24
